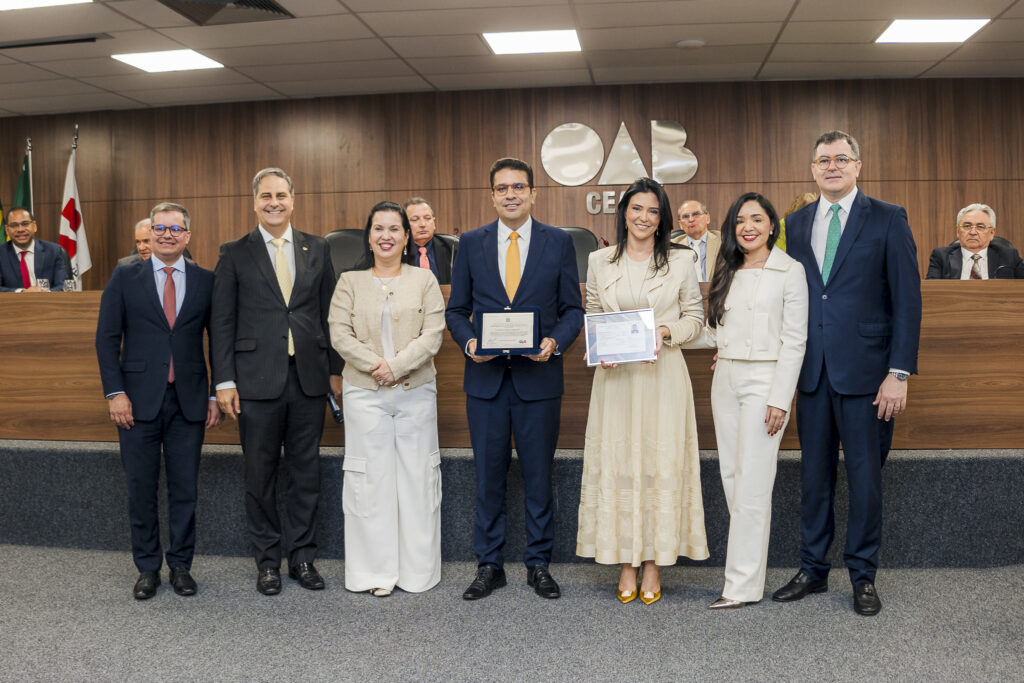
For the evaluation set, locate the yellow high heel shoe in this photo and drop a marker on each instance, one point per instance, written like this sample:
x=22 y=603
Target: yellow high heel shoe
x=649 y=598
x=629 y=596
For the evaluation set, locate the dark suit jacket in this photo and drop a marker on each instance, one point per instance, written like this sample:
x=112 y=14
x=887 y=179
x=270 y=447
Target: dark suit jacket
x=550 y=283
x=49 y=264
x=134 y=343
x=442 y=259
x=249 y=327
x=867 y=319
x=1003 y=262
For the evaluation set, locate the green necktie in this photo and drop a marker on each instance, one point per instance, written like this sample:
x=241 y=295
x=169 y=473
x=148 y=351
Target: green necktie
x=831 y=243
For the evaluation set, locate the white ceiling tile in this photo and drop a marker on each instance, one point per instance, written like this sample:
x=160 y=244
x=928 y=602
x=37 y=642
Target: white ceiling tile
x=618 y=14
x=118 y=43
x=327 y=71
x=302 y=53
x=149 y=13
x=310 y=29
x=737 y=54
x=993 y=52
x=439 y=46
x=499 y=63
x=312 y=8
x=62 y=86
x=536 y=79
x=366 y=6
x=447 y=22
x=631 y=38
x=924 y=52
x=221 y=93
x=992 y=69
x=69 y=103
x=675 y=73
x=351 y=86
x=841 y=70
x=19 y=73
x=1015 y=11
x=89 y=68
x=1003 y=30
x=832 y=31
x=168 y=79
x=67 y=20
x=828 y=10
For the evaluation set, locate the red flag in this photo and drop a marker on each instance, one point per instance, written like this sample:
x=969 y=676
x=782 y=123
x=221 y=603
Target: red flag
x=72 y=228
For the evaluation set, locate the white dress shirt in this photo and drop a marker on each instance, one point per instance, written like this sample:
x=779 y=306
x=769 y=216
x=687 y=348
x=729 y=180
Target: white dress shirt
x=525 y=232
x=289 y=249
x=30 y=263
x=822 y=217
x=161 y=280
x=968 y=263
x=701 y=247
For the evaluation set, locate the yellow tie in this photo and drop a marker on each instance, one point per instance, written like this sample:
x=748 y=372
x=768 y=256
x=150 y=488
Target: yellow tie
x=512 y=269
x=284 y=281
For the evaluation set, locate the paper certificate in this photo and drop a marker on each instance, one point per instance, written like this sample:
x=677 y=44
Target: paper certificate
x=620 y=337
x=508 y=331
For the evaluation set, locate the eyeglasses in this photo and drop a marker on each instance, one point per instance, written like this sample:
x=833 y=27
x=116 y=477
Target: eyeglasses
x=841 y=161
x=516 y=188
x=23 y=224
x=175 y=229
x=980 y=227
x=688 y=216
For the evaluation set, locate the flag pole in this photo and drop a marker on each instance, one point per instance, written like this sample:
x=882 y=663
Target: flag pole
x=74 y=143
x=31 y=193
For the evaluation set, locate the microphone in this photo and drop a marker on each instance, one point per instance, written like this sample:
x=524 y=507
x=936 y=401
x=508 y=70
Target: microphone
x=336 y=413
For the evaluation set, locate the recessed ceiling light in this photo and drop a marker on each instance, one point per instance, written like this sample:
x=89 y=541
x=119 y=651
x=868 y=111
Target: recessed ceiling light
x=532 y=42
x=931 y=30
x=168 y=60
x=690 y=44
x=6 y=5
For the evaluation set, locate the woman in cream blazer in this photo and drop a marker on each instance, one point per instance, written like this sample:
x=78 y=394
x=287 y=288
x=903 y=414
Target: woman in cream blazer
x=757 y=313
x=386 y=321
x=640 y=498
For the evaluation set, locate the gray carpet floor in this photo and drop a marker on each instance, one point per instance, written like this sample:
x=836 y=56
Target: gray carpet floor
x=69 y=615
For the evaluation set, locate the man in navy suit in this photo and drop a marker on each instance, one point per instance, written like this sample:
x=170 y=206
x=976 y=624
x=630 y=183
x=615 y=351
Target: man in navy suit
x=24 y=259
x=149 y=342
x=862 y=337
x=977 y=254
x=514 y=262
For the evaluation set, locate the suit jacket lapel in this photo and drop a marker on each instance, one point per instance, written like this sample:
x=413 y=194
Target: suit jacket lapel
x=538 y=243
x=854 y=224
x=146 y=283
x=191 y=285
x=610 y=274
x=956 y=263
x=261 y=258
x=798 y=238
x=490 y=246
x=13 y=266
x=302 y=265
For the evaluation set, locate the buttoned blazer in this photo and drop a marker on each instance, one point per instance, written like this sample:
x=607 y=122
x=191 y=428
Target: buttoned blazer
x=417 y=325
x=134 y=343
x=946 y=263
x=672 y=292
x=442 y=258
x=49 y=264
x=550 y=283
x=250 y=320
x=867 y=319
x=713 y=246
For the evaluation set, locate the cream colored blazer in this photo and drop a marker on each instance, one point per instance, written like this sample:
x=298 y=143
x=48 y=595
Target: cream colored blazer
x=417 y=322
x=674 y=293
x=713 y=246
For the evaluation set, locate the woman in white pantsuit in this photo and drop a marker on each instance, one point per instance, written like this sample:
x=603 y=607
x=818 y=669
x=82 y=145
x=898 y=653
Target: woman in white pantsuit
x=757 y=314
x=386 y=321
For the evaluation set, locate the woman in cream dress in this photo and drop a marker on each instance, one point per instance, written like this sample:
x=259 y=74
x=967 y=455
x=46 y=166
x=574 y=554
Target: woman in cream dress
x=386 y=321
x=640 y=501
x=757 y=314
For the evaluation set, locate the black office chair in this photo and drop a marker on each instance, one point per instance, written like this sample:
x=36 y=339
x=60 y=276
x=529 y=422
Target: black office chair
x=677 y=233
x=584 y=242
x=996 y=239
x=452 y=241
x=346 y=248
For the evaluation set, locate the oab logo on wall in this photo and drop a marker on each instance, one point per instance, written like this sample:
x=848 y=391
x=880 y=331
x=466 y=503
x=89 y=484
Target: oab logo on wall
x=573 y=153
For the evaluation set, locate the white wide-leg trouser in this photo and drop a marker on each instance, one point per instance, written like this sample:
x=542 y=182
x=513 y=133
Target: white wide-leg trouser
x=747 y=457
x=391 y=495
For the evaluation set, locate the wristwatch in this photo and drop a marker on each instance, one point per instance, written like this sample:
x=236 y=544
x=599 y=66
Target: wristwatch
x=900 y=376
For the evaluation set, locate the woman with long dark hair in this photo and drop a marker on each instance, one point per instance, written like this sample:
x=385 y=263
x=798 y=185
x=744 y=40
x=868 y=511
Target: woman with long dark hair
x=757 y=317
x=640 y=501
x=386 y=321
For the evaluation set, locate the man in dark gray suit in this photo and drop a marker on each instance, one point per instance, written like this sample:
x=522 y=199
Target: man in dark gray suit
x=143 y=244
x=272 y=358
x=977 y=254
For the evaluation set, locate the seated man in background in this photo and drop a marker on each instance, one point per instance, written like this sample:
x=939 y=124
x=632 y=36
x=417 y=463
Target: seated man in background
x=427 y=251
x=975 y=256
x=143 y=243
x=24 y=260
x=694 y=219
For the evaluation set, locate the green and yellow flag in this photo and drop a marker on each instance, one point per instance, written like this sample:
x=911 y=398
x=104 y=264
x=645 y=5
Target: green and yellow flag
x=23 y=195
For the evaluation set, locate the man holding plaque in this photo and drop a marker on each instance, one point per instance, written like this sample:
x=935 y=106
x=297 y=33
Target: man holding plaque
x=514 y=273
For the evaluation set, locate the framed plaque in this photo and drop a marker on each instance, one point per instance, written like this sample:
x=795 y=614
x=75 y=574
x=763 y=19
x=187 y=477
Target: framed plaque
x=620 y=336
x=507 y=331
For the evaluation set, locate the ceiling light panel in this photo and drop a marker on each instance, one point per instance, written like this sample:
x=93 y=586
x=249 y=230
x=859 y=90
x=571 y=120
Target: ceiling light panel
x=931 y=30
x=6 y=5
x=533 y=42
x=168 y=60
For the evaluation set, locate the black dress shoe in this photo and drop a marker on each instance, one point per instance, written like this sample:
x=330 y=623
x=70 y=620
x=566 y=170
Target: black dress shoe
x=307 y=576
x=542 y=582
x=145 y=587
x=269 y=581
x=487 y=579
x=183 y=582
x=866 y=600
x=798 y=587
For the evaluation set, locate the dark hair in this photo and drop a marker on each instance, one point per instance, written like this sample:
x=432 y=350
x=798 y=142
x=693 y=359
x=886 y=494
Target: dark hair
x=833 y=136
x=414 y=200
x=515 y=165
x=7 y=218
x=662 y=236
x=367 y=260
x=730 y=256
